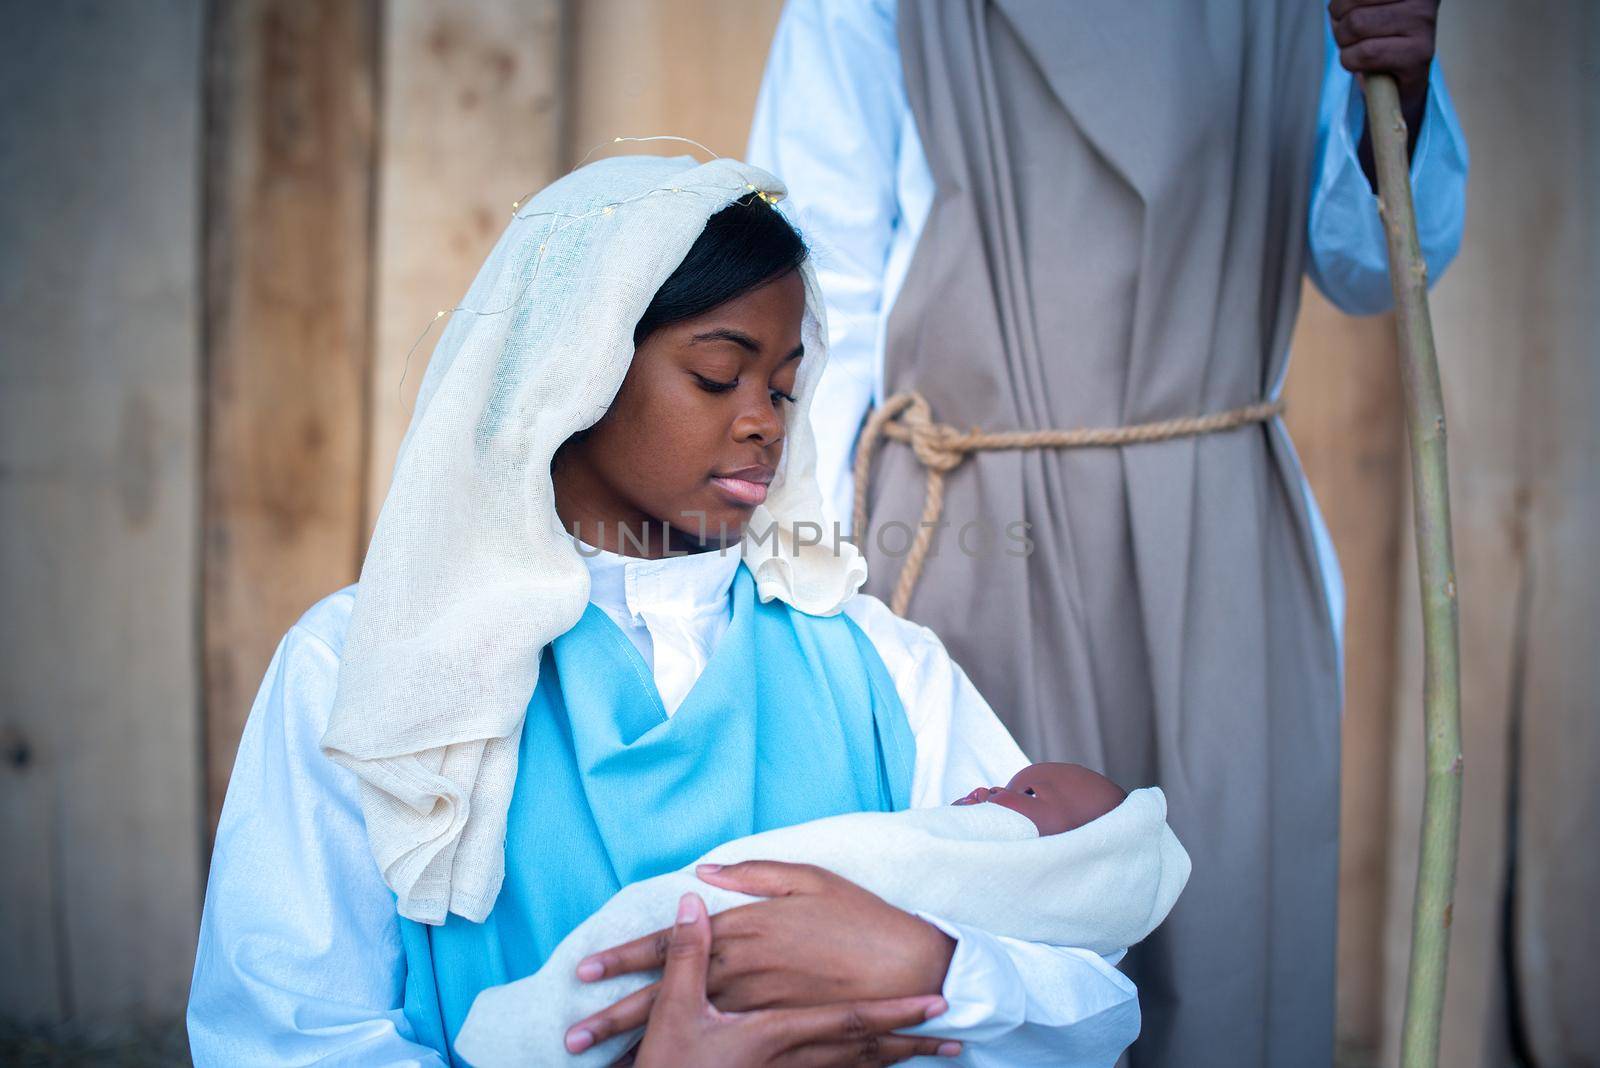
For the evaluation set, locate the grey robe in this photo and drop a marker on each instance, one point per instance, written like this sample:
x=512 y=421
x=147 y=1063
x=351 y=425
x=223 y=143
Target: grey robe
x=1117 y=238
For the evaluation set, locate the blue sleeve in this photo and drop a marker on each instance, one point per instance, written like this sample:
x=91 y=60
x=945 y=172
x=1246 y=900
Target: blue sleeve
x=1348 y=259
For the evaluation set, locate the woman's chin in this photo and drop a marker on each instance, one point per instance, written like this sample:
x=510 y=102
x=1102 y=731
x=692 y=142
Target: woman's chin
x=713 y=527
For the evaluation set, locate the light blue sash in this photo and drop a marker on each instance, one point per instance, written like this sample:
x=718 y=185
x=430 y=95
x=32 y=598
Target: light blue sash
x=794 y=718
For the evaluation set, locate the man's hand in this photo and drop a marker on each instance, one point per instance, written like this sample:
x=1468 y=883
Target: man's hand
x=1387 y=37
x=1394 y=37
x=821 y=939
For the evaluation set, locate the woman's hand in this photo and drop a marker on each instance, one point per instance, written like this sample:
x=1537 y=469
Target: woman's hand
x=685 y=1031
x=821 y=939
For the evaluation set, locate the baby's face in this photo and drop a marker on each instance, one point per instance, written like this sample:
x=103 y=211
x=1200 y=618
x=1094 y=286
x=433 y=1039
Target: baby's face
x=1056 y=797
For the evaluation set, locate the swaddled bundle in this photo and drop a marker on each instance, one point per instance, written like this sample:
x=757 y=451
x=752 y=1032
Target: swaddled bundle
x=1102 y=886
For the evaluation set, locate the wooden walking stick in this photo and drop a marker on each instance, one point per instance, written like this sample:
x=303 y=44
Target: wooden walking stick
x=1441 y=693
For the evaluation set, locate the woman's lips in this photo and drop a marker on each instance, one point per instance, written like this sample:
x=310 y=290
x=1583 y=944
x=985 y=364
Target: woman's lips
x=747 y=485
x=742 y=490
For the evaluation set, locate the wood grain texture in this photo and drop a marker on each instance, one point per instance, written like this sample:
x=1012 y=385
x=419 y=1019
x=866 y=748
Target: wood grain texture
x=100 y=802
x=290 y=153
x=689 y=68
x=1548 y=190
x=472 y=121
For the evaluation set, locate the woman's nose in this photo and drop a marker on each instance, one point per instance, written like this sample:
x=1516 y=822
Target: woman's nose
x=762 y=422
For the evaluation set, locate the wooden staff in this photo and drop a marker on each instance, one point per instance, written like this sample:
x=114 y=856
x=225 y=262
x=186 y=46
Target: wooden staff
x=1441 y=692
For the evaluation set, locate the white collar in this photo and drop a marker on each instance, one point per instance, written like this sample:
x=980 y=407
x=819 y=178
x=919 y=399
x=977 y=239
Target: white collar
x=691 y=584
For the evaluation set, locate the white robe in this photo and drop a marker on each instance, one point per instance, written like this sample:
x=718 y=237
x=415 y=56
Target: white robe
x=300 y=957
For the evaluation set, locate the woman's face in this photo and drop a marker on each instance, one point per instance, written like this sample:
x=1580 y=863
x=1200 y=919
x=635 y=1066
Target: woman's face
x=695 y=433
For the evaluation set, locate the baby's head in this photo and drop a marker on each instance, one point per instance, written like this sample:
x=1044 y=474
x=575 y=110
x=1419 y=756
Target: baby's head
x=1056 y=797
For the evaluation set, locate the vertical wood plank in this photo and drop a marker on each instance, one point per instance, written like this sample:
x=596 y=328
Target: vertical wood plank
x=1549 y=192
x=1517 y=325
x=690 y=68
x=100 y=803
x=289 y=183
x=472 y=120
x=1345 y=417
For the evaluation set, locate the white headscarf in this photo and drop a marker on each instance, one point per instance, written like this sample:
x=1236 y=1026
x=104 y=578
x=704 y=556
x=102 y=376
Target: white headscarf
x=469 y=574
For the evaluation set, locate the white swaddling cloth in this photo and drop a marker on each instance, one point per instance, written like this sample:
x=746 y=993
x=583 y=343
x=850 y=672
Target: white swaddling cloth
x=1103 y=886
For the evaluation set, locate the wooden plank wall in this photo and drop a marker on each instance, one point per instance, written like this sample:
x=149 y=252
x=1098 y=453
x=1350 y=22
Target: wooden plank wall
x=472 y=121
x=100 y=800
x=359 y=160
x=1517 y=323
x=690 y=68
x=290 y=150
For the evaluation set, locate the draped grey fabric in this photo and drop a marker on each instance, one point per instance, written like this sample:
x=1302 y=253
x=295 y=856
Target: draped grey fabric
x=1117 y=237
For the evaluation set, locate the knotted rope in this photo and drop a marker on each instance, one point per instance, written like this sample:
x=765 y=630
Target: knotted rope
x=940 y=447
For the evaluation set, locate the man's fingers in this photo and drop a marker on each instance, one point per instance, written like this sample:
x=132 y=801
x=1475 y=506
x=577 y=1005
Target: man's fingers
x=1384 y=55
x=857 y=1022
x=1385 y=36
x=631 y=1012
x=1365 y=22
x=1338 y=9
x=762 y=878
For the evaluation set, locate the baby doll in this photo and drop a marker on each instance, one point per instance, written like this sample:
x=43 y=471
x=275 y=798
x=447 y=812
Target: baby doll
x=1056 y=797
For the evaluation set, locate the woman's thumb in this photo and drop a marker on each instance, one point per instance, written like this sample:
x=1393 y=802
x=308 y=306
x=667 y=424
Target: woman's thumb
x=683 y=982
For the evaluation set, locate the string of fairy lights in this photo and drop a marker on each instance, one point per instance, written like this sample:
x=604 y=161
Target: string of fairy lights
x=570 y=219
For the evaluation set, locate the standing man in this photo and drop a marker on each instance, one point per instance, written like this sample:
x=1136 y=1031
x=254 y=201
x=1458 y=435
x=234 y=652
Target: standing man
x=1097 y=214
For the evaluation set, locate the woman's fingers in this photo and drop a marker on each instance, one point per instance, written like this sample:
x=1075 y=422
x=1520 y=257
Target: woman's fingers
x=681 y=989
x=763 y=878
x=650 y=951
x=640 y=955
x=683 y=983
x=632 y=1011
x=862 y=1024
x=760 y=878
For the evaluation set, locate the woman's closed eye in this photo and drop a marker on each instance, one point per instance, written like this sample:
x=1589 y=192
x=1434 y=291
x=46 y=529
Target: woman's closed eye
x=711 y=385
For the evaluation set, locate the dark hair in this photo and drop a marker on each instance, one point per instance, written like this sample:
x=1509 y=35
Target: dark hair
x=743 y=246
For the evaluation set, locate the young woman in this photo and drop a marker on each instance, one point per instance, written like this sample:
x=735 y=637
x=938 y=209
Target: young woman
x=598 y=631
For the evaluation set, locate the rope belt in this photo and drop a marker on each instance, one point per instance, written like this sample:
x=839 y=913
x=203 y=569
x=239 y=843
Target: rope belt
x=940 y=448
